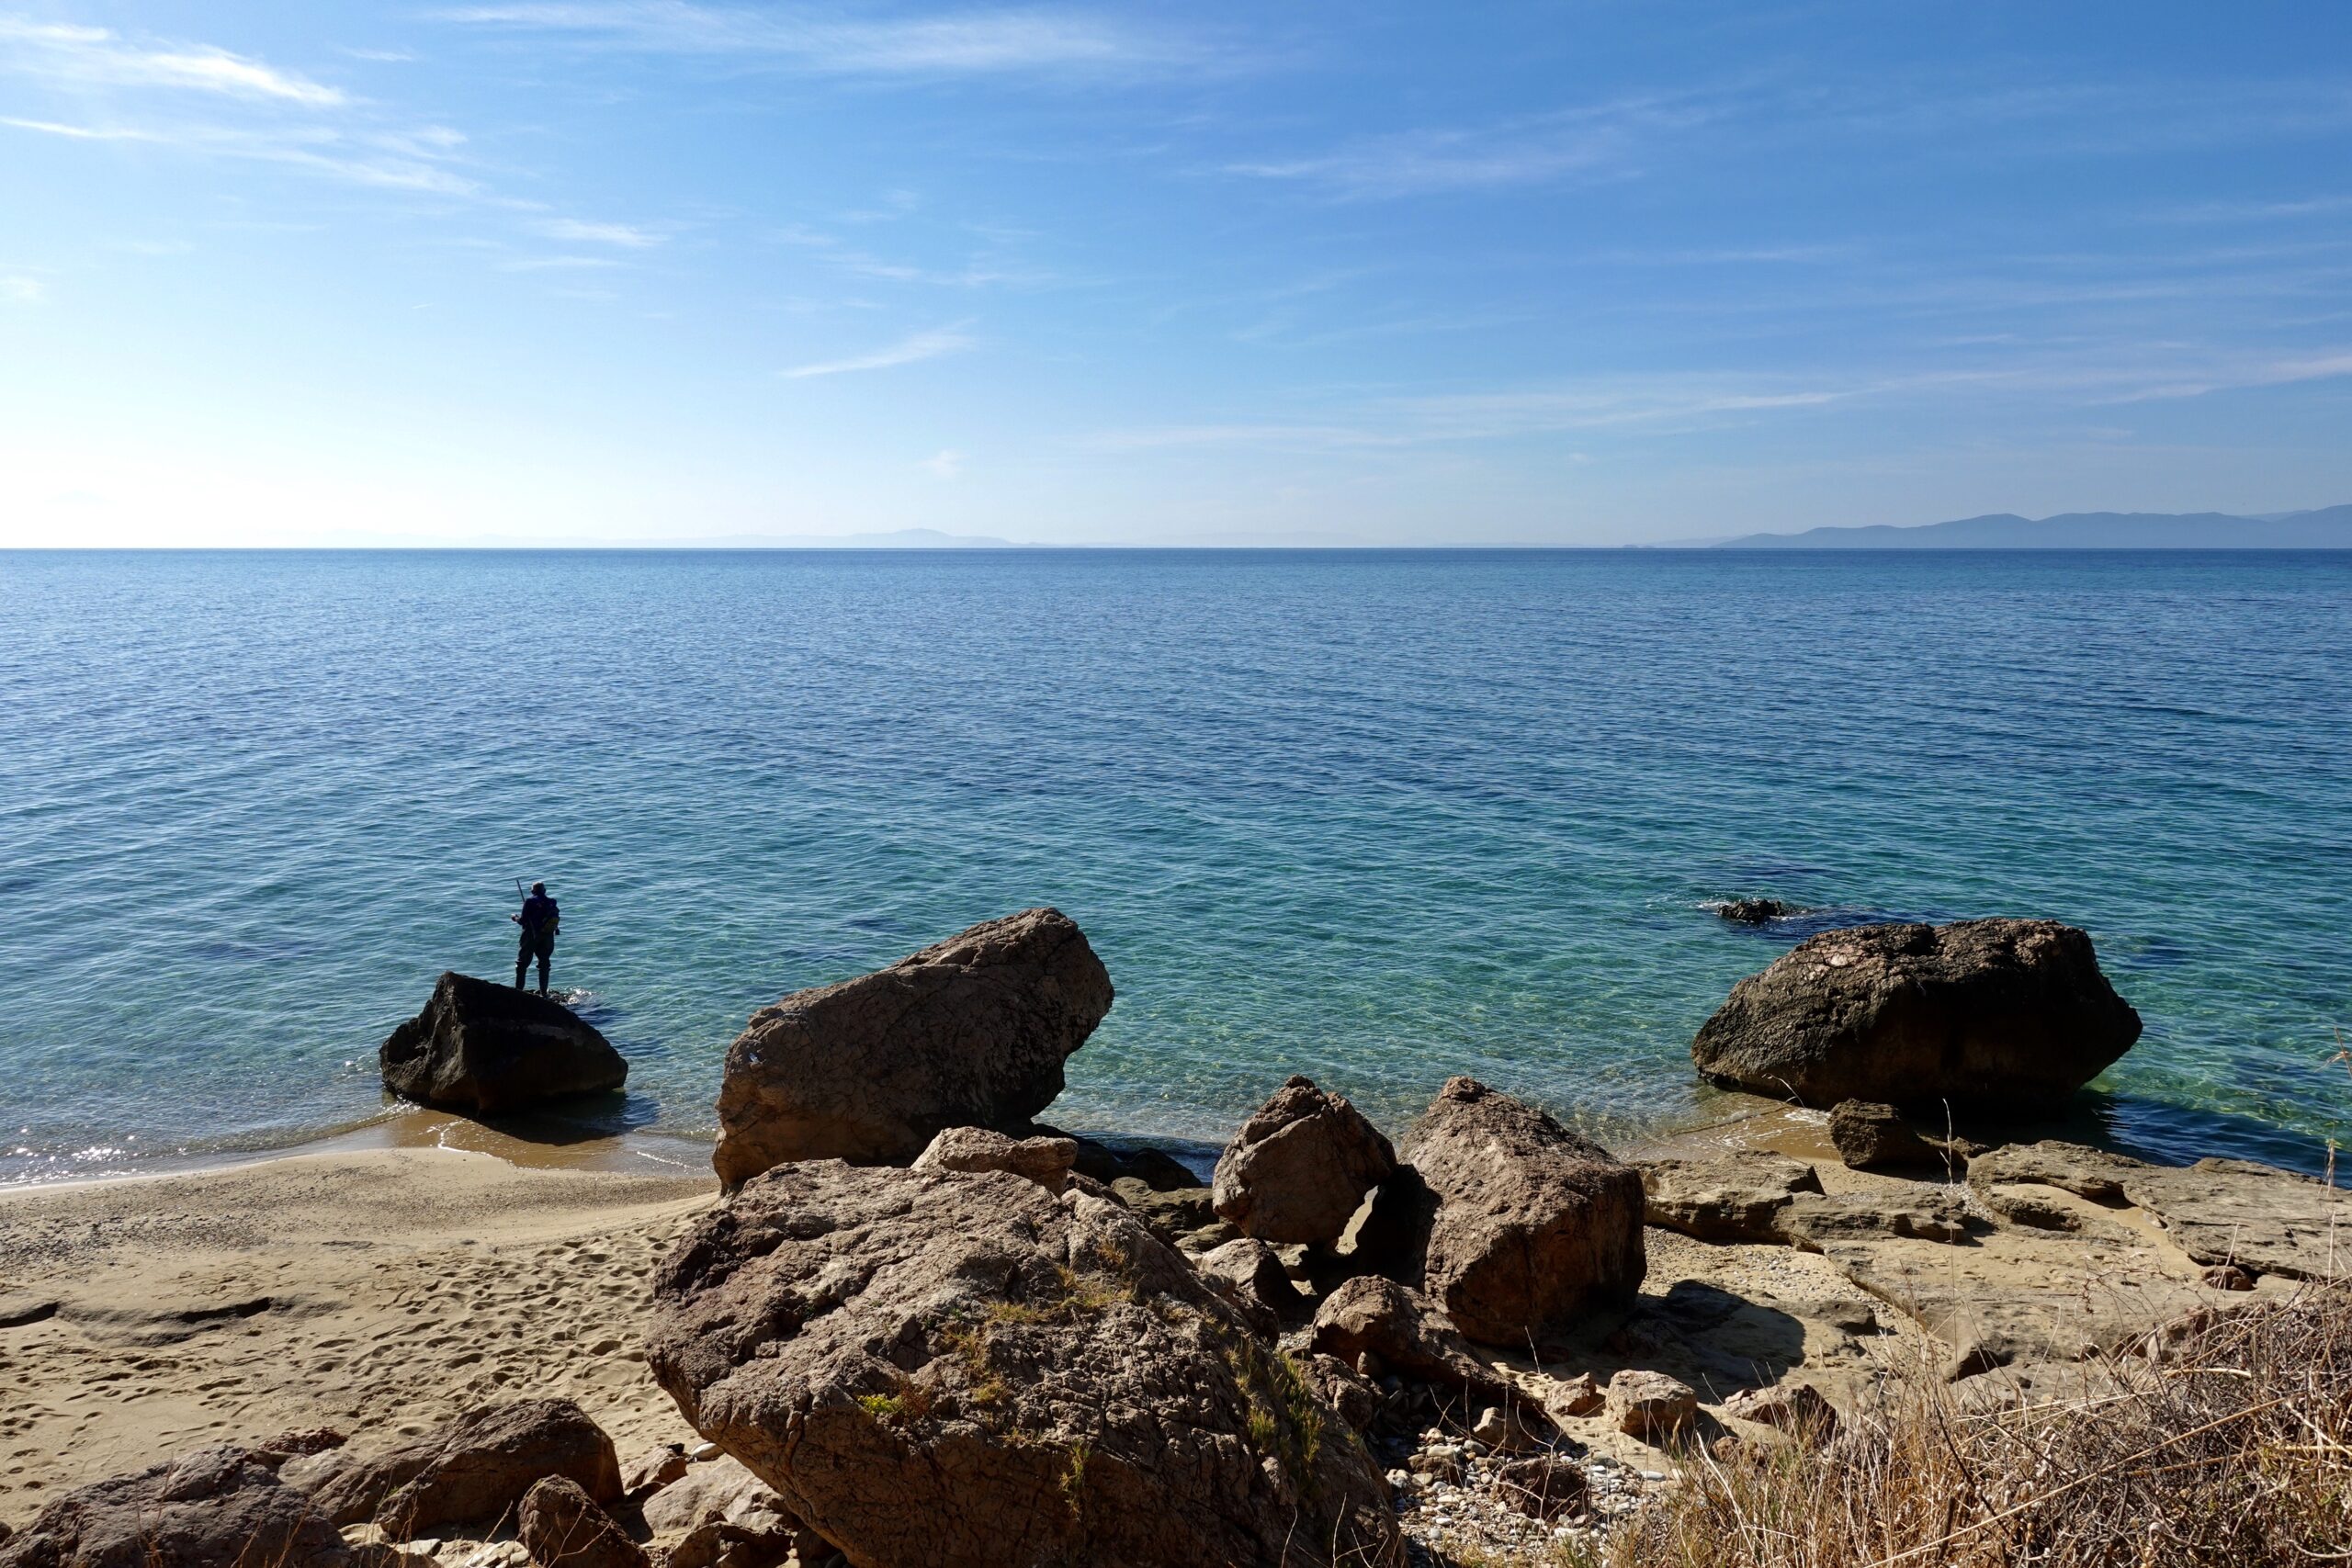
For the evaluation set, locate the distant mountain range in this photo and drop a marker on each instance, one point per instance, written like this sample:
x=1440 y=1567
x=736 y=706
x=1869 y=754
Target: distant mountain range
x=2330 y=528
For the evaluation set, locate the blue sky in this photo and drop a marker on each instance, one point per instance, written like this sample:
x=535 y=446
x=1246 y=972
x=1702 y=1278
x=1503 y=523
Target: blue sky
x=1581 y=273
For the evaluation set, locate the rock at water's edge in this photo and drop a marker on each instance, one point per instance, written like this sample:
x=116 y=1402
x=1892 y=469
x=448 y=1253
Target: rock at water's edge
x=484 y=1048
x=1300 y=1166
x=972 y=1032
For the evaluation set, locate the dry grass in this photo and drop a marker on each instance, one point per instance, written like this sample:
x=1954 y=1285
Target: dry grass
x=2232 y=1446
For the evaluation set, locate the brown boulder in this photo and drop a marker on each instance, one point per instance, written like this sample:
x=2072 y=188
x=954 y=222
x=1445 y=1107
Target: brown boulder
x=1046 y=1161
x=216 y=1507
x=474 y=1466
x=1650 y=1405
x=1875 y=1137
x=2000 y=1013
x=972 y=1032
x=1252 y=1273
x=1799 y=1409
x=1300 y=1167
x=483 y=1048
x=965 y=1370
x=1410 y=1334
x=561 y=1527
x=1531 y=1226
x=721 y=1516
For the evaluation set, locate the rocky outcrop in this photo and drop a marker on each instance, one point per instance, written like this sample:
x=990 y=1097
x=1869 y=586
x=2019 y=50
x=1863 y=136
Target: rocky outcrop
x=963 y=1369
x=721 y=1516
x=1875 y=1137
x=1738 y=1195
x=1999 y=1013
x=1409 y=1335
x=970 y=1033
x=561 y=1527
x=1528 y=1226
x=1046 y=1161
x=475 y=1466
x=484 y=1048
x=1300 y=1167
x=217 y=1508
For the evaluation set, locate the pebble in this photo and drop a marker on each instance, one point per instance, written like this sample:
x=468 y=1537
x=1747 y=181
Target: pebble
x=702 y=1453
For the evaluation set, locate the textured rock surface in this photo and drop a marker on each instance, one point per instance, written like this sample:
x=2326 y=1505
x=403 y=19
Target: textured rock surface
x=1875 y=1137
x=721 y=1516
x=962 y=1370
x=562 y=1526
x=1300 y=1166
x=1999 y=1013
x=1410 y=1334
x=972 y=1032
x=1740 y=1195
x=1650 y=1405
x=1925 y=1213
x=1544 y=1487
x=485 y=1048
x=476 y=1466
x=1046 y=1161
x=1528 y=1226
x=216 y=1507
x=1249 y=1271
x=1796 y=1408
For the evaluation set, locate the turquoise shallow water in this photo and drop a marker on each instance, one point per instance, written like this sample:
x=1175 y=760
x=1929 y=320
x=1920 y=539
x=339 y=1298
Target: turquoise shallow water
x=1379 y=818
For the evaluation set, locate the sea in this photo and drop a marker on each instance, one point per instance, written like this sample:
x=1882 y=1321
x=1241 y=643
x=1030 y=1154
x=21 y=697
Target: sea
x=1376 y=817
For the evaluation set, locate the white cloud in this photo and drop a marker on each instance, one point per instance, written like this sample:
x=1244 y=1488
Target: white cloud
x=556 y=264
x=62 y=52
x=627 y=235
x=909 y=349
x=805 y=39
x=20 y=291
x=948 y=464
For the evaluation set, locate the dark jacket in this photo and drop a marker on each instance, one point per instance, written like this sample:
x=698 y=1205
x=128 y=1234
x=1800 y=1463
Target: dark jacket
x=539 y=915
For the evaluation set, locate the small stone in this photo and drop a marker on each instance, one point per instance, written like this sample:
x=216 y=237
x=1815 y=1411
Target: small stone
x=702 y=1453
x=1650 y=1405
x=1578 y=1395
x=1797 y=1409
x=2228 y=1277
x=654 y=1469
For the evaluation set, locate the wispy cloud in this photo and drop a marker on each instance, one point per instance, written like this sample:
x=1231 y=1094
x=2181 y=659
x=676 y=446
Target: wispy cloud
x=909 y=349
x=68 y=53
x=627 y=235
x=980 y=271
x=946 y=465
x=828 y=42
x=21 y=290
x=318 y=150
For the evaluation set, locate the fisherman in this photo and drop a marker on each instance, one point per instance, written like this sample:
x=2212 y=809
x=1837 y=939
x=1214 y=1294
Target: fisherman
x=538 y=920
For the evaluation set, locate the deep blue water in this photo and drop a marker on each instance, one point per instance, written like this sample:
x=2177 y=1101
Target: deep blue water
x=1376 y=817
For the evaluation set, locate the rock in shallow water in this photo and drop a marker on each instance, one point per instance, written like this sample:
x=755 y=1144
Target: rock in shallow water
x=972 y=1032
x=963 y=1369
x=484 y=1048
x=2001 y=1013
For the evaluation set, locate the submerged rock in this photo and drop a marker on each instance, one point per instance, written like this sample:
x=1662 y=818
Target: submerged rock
x=485 y=1048
x=972 y=1032
x=216 y=1507
x=2002 y=1013
x=1299 y=1167
x=966 y=1370
x=1528 y=1226
x=1754 y=911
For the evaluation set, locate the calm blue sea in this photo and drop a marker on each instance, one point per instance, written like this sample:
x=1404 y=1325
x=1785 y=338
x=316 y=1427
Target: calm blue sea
x=1376 y=817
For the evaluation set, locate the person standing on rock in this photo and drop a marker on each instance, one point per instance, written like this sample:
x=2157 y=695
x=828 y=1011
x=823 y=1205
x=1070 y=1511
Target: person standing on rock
x=538 y=920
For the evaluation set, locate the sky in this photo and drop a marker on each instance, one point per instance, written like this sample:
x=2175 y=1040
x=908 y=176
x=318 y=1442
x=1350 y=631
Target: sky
x=1587 y=272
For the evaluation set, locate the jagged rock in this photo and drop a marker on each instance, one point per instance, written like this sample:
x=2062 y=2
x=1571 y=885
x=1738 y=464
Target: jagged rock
x=1649 y=1404
x=2224 y=1211
x=561 y=1527
x=971 y=1032
x=1299 y=1167
x=1754 y=911
x=1528 y=1226
x=1356 y=1397
x=474 y=1466
x=655 y=1468
x=1155 y=1169
x=1576 y=1396
x=965 y=1370
x=1997 y=1012
x=485 y=1048
x=1544 y=1487
x=1250 y=1271
x=1875 y=1137
x=721 y=1516
x=1740 y=1195
x=1410 y=1333
x=215 y=1508
x=1798 y=1409
x=1046 y=1161
x=1171 y=1211
x=1815 y=1223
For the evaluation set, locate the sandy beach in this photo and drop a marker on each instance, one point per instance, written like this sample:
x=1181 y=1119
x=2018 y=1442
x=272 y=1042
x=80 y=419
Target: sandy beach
x=370 y=1290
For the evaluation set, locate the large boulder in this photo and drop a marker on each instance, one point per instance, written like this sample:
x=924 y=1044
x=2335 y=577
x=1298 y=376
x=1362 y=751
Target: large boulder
x=475 y=1466
x=216 y=1507
x=1408 y=1334
x=1299 y=1167
x=963 y=1369
x=1527 y=1224
x=1997 y=1013
x=970 y=1033
x=484 y=1048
